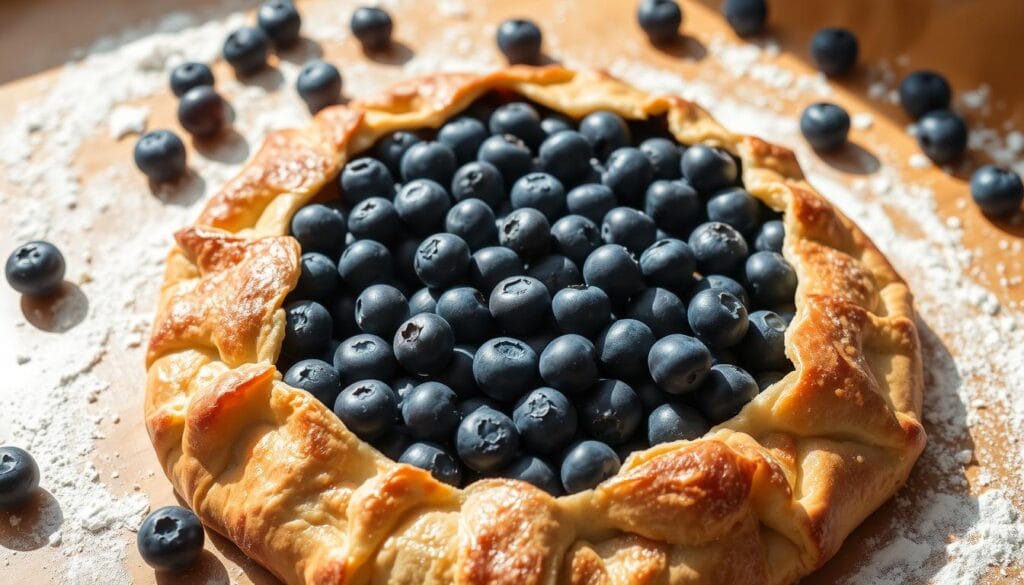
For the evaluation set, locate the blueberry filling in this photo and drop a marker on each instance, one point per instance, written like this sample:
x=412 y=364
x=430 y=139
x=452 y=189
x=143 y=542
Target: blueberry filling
x=524 y=296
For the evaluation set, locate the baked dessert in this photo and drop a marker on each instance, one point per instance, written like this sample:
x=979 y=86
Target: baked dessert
x=765 y=496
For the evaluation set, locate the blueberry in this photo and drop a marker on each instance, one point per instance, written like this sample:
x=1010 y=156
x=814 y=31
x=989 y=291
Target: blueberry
x=650 y=395
x=606 y=132
x=555 y=272
x=280 y=21
x=664 y=156
x=307 y=329
x=519 y=119
x=393 y=443
x=392 y=147
x=584 y=310
x=463 y=135
x=374 y=218
x=996 y=191
x=188 y=75
x=468 y=406
x=659 y=309
x=587 y=464
x=458 y=374
x=202 y=112
x=592 y=201
x=622 y=348
x=708 y=169
x=505 y=368
x=433 y=458
x=746 y=17
x=317 y=377
x=479 y=180
x=429 y=160
x=318 y=280
x=508 y=154
x=19 y=477
x=736 y=207
x=575 y=237
x=171 y=539
x=825 y=126
x=628 y=173
x=363 y=263
x=423 y=301
x=718 y=247
x=764 y=346
x=372 y=26
x=669 y=264
x=675 y=422
x=615 y=271
x=679 y=363
x=630 y=228
x=343 y=315
x=404 y=254
x=380 y=309
x=318 y=84
x=520 y=304
x=566 y=155
x=555 y=123
x=319 y=228
x=766 y=379
x=526 y=232
x=717 y=318
x=569 y=363
x=246 y=50
x=422 y=204
x=770 y=236
x=540 y=191
x=659 y=19
x=491 y=265
x=535 y=472
x=519 y=40
x=726 y=390
x=834 y=51
x=717 y=281
x=924 y=91
x=486 y=440
x=364 y=357
x=465 y=309
x=772 y=281
x=442 y=260
x=674 y=206
x=546 y=421
x=35 y=268
x=368 y=408
x=430 y=411
x=612 y=412
x=423 y=344
x=942 y=135
x=160 y=155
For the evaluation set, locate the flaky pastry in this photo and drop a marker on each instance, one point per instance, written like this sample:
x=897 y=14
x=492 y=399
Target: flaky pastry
x=764 y=498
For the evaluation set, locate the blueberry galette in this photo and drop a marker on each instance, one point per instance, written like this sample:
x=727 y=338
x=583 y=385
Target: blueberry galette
x=530 y=327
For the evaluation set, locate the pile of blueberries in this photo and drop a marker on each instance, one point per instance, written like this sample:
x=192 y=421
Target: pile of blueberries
x=520 y=296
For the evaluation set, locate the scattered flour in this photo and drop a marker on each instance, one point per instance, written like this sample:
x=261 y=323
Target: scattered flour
x=57 y=397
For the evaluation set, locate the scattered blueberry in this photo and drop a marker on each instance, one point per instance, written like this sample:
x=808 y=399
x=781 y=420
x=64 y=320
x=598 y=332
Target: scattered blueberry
x=35 y=268
x=422 y=204
x=924 y=91
x=365 y=262
x=479 y=180
x=433 y=458
x=487 y=440
x=708 y=169
x=726 y=390
x=825 y=126
x=160 y=155
x=679 y=363
x=546 y=421
x=202 y=112
x=246 y=50
x=280 y=21
x=171 y=539
x=834 y=51
x=505 y=368
x=526 y=232
x=717 y=318
x=520 y=41
x=423 y=344
x=307 y=329
x=996 y=190
x=587 y=464
x=317 y=377
x=318 y=84
x=615 y=271
x=372 y=26
x=660 y=19
x=365 y=357
x=746 y=17
x=675 y=422
x=19 y=477
x=464 y=136
x=190 y=74
x=942 y=135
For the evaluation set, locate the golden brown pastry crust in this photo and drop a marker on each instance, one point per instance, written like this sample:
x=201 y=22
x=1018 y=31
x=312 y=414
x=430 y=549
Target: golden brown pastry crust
x=764 y=498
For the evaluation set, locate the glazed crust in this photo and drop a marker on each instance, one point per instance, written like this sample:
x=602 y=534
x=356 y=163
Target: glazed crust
x=764 y=498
